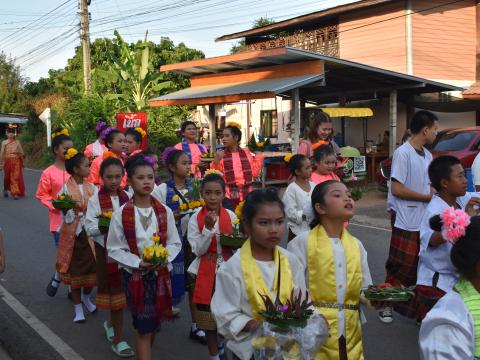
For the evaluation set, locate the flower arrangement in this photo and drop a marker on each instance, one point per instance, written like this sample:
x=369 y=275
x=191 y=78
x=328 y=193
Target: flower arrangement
x=236 y=239
x=104 y=221
x=207 y=157
x=70 y=153
x=454 y=224
x=194 y=198
x=239 y=209
x=155 y=254
x=64 y=202
x=388 y=292
x=261 y=145
x=61 y=132
x=141 y=131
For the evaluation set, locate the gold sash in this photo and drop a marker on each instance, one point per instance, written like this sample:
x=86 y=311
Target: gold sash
x=322 y=287
x=255 y=283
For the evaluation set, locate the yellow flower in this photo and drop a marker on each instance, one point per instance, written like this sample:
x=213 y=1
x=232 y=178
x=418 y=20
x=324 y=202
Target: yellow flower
x=261 y=144
x=238 y=210
x=183 y=207
x=148 y=253
x=107 y=214
x=160 y=251
x=202 y=202
x=213 y=171
x=288 y=157
x=61 y=197
x=234 y=124
x=191 y=204
x=62 y=132
x=236 y=221
x=155 y=238
x=176 y=198
x=141 y=131
x=70 y=153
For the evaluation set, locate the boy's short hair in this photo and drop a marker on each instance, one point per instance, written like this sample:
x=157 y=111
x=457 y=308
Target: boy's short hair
x=422 y=119
x=441 y=169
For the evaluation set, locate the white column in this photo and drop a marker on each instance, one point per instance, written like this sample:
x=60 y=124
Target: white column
x=393 y=121
x=409 y=36
x=296 y=119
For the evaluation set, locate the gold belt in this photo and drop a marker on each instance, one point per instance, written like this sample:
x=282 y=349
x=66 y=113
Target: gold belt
x=336 y=306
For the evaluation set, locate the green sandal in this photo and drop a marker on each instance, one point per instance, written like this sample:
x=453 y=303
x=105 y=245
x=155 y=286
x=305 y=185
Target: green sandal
x=122 y=349
x=109 y=331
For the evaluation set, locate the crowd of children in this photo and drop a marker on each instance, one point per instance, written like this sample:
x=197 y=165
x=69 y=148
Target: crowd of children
x=226 y=287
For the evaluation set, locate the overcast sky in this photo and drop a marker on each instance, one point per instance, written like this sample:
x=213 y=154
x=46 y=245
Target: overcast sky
x=42 y=35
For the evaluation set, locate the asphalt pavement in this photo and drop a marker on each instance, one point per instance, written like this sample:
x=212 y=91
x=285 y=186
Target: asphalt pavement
x=34 y=326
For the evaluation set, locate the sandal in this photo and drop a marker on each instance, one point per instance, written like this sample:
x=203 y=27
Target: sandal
x=52 y=290
x=109 y=331
x=122 y=349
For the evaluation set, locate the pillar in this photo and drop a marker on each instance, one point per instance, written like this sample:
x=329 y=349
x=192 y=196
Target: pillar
x=393 y=122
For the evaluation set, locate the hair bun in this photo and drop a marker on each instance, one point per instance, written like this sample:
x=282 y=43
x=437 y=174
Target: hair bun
x=436 y=223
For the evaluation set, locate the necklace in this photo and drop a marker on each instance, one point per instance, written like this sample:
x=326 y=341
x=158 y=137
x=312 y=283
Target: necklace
x=145 y=220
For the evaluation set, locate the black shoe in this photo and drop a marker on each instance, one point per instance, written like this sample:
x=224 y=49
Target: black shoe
x=195 y=336
x=69 y=295
x=5 y=194
x=52 y=290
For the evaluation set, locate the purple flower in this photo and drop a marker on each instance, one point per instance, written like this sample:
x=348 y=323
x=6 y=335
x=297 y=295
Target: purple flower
x=106 y=132
x=165 y=154
x=101 y=125
x=283 y=308
x=150 y=159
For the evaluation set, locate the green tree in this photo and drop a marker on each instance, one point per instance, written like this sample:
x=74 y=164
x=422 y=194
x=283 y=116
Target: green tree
x=12 y=96
x=240 y=45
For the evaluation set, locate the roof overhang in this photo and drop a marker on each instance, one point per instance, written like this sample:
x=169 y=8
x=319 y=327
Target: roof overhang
x=320 y=79
x=13 y=119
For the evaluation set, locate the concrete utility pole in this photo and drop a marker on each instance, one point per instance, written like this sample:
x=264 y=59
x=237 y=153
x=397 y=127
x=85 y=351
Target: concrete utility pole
x=85 y=36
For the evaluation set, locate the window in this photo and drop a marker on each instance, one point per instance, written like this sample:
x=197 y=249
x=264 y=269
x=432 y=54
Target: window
x=453 y=141
x=269 y=123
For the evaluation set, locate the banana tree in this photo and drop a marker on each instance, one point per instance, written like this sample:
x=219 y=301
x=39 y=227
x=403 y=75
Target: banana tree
x=134 y=77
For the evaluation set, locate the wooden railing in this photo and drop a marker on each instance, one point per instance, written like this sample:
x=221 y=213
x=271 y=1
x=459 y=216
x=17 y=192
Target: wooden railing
x=323 y=40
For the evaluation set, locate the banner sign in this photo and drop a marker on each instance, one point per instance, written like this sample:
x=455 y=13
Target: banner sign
x=133 y=120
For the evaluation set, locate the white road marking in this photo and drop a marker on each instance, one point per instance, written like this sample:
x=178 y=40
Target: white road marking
x=370 y=227
x=48 y=335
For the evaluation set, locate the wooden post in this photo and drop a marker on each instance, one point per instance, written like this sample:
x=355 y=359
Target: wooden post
x=213 y=130
x=393 y=121
x=296 y=119
x=85 y=36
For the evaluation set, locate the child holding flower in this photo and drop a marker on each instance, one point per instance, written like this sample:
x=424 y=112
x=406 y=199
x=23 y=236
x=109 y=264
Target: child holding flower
x=137 y=225
x=110 y=294
x=75 y=256
x=204 y=228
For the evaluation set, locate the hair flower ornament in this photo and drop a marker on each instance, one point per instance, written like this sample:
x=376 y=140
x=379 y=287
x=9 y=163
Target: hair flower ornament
x=101 y=125
x=288 y=157
x=234 y=124
x=141 y=131
x=454 y=224
x=61 y=132
x=108 y=154
x=70 y=153
x=213 y=171
x=105 y=132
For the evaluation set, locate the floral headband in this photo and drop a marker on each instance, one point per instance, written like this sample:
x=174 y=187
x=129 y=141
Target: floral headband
x=101 y=125
x=151 y=160
x=105 y=132
x=288 y=157
x=70 y=153
x=213 y=171
x=165 y=154
x=141 y=131
x=454 y=224
x=234 y=124
x=61 y=132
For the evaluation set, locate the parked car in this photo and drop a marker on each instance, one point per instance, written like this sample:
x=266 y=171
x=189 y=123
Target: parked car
x=463 y=143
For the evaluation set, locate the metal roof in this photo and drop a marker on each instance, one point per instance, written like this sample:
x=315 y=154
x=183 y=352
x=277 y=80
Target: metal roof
x=13 y=119
x=342 y=78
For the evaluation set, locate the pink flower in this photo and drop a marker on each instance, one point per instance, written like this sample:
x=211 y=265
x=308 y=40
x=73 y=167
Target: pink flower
x=283 y=308
x=454 y=224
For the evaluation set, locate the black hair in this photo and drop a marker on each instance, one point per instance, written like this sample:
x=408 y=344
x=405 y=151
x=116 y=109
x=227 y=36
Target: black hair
x=322 y=152
x=173 y=157
x=74 y=162
x=10 y=130
x=316 y=117
x=213 y=178
x=318 y=197
x=441 y=169
x=422 y=119
x=135 y=134
x=465 y=253
x=235 y=132
x=257 y=198
x=59 y=139
x=111 y=135
x=187 y=123
x=134 y=162
x=296 y=163
x=111 y=161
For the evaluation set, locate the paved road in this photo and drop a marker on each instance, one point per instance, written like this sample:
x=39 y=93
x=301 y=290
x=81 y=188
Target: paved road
x=30 y=259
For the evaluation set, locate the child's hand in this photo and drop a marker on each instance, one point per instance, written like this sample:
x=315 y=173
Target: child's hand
x=146 y=266
x=210 y=220
x=219 y=156
x=252 y=325
x=473 y=206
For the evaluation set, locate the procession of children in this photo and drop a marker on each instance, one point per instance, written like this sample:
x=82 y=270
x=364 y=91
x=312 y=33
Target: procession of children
x=146 y=245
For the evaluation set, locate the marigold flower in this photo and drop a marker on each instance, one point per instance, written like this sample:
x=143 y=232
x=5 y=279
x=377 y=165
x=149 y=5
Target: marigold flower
x=234 y=124
x=288 y=157
x=70 y=153
x=141 y=131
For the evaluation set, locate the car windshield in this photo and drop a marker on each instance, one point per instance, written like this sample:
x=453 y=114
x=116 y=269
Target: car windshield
x=453 y=141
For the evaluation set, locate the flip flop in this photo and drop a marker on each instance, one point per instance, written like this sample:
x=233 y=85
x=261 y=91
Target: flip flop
x=109 y=331
x=122 y=346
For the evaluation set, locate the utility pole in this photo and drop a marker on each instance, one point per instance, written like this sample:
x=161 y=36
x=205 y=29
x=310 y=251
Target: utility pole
x=85 y=36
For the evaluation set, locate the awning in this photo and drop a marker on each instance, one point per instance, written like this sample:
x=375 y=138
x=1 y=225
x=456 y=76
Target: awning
x=13 y=119
x=348 y=112
x=232 y=92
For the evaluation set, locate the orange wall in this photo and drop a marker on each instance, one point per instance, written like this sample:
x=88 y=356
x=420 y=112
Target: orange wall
x=381 y=44
x=444 y=40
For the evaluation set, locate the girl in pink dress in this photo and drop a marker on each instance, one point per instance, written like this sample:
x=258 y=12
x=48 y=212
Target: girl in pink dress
x=318 y=132
x=325 y=162
x=51 y=182
x=97 y=148
x=238 y=166
x=192 y=148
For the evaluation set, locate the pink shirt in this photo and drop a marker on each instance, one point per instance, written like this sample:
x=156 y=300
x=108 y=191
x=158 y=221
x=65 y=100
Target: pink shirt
x=94 y=150
x=256 y=163
x=94 y=176
x=196 y=156
x=50 y=184
x=318 y=178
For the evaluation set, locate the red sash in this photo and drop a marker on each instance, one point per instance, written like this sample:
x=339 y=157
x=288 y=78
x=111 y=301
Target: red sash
x=163 y=303
x=106 y=205
x=230 y=181
x=205 y=282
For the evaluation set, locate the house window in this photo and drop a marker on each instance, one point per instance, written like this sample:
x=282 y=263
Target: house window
x=269 y=123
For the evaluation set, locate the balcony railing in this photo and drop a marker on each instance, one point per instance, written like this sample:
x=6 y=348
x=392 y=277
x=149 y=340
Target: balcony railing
x=323 y=40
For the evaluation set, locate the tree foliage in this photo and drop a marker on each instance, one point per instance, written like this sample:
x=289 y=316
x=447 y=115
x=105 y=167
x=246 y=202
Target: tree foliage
x=260 y=22
x=12 y=96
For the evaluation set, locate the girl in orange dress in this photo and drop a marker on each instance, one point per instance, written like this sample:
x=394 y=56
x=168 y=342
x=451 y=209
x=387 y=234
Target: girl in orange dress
x=11 y=160
x=238 y=166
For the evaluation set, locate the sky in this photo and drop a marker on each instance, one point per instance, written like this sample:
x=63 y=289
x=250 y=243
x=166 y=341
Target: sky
x=42 y=35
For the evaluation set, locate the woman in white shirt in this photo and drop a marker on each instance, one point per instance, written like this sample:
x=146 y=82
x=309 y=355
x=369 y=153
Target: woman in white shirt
x=132 y=227
x=298 y=193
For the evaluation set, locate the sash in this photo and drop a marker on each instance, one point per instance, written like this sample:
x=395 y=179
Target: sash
x=230 y=173
x=186 y=149
x=322 y=285
x=163 y=301
x=471 y=298
x=205 y=281
x=255 y=283
x=172 y=191
x=106 y=205
x=68 y=231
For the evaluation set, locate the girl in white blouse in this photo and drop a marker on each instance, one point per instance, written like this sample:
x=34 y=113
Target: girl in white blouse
x=147 y=286
x=298 y=193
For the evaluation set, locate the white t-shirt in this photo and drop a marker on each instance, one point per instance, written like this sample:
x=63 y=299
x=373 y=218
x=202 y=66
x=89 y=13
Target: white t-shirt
x=410 y=169
x=476 y=170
